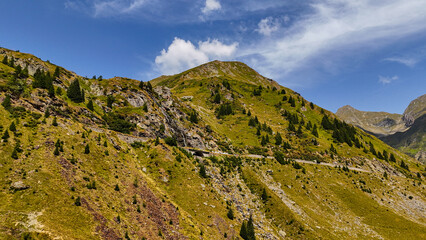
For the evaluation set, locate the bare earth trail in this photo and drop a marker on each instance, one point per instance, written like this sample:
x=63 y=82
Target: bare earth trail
x=296 y=160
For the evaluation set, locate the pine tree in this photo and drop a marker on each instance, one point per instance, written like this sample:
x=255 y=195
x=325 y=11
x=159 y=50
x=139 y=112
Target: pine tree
x=203 y=173
x=278 y=139
x=230 y=214
x=12 y=127
x=46 y=113
x=392 y=158
x=243 y=230
x=74 y=92
x=56 y=73
x=116 y=188
x=263 y=141
x=249 y=113
x=149 y=86
x=315 y=131
x=87 y=149
x=90 y=105
x=264 y=195
x=5 y=60
x=141 y=84
x=193 y=117
x=5 y=136
x=77 y=201
x=250 y=229
x=217 y=98
x=7 y=103
x=110 y=101
x=258 y=131
x=15 y=153
x=51 y=91
x=56 y=152
x=55 y=122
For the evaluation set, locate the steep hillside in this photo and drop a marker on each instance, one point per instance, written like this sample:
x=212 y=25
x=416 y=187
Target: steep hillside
x=112 y=159
x=415 y=110
x=412 y=141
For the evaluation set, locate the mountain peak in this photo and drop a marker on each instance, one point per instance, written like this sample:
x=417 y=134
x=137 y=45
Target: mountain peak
x=230 y=70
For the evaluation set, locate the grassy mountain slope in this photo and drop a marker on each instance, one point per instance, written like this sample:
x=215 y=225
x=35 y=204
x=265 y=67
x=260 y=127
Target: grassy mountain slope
x=378 y=123
x=122 y=168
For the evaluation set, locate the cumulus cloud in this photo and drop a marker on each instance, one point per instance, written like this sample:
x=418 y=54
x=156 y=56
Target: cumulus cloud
x=182 y=54
x=267 y=26
x=387 y=80
x=211 y=5
x=334 y=28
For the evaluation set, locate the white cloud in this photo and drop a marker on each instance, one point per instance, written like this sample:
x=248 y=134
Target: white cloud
x=409 y=62
x=182 y=54
x=335 y=29
x=211 y=5
x=115 y=7
x=387 y=80
x=267 y=26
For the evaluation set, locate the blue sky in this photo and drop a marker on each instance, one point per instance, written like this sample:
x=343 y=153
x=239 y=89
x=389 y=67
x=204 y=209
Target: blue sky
x=368 y=54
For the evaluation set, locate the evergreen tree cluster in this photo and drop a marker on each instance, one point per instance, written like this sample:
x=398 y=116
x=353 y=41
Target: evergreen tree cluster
x=223 y=110
x=145 y=86
x=118 y=123
x=292 y=101
x=342 y=132
x=247 y=230
x=257 y=91
x=382 y=155
x=44 y=80
x=75 y=93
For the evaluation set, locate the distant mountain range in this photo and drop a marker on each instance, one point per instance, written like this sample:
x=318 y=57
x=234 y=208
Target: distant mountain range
x=406 y=132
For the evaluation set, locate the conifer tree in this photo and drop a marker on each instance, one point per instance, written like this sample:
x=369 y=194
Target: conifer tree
x=278 y=139
x=46 y=113
x=315 y=131
x=110 y=101
x=243 y=230
x=264 y=195
x=87 y=149
x=12 y=127
x=5 y=60
x=5 y=136
x=56 y=152
x=15 y=153
x=230 y=214
x=392 y=158
x=7 y=103
x=77 y=201
x=258 y=131
x=74 y=92
x=250 y=229
x=55 y=122
x=90 y=105
x=56 y=73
